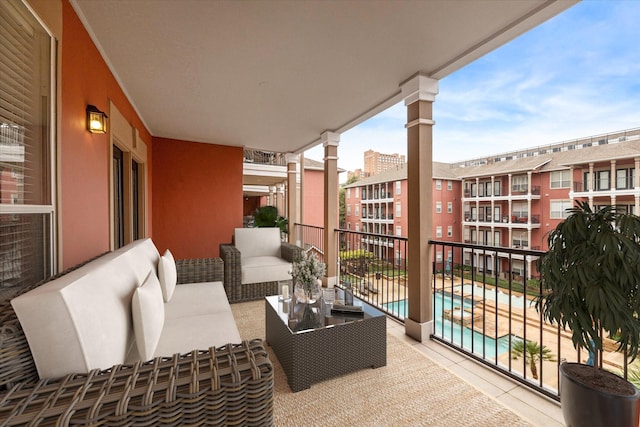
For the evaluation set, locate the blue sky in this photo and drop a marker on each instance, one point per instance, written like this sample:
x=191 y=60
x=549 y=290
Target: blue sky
x=576 y=75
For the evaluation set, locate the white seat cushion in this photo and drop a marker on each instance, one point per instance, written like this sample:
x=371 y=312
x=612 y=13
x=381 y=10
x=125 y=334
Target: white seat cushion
x=253 y=242
x=168 y=275
x=147 y=308
x=181 y=335
x=195 y=299
x=265 y=269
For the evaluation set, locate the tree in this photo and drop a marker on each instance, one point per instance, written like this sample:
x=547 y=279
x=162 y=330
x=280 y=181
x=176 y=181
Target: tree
x=532 y=353
x=341 y=200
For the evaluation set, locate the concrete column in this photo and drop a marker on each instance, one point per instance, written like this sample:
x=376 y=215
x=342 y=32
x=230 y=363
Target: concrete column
x=592 y=182
x=271 y=198
x=493 y=207
x=636 y=185
x=281 y=200
x=419 y=94
x=301 y=192
x=292 y=175
x=571 y=186
x=612 y=178
x=330 y=141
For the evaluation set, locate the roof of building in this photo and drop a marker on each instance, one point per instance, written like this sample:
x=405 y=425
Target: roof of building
x=599 y=148
x=440 y=171
x=316 y=165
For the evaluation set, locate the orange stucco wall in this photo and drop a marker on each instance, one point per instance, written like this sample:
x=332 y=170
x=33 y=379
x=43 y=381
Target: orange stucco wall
x=84 y=158
x=313 y=197
x=197 y=196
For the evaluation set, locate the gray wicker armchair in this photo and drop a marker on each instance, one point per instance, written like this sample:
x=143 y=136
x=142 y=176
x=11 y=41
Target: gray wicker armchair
x=236 y=290
x=229 y=385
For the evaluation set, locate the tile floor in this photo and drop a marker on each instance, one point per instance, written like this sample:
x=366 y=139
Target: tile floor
x=536 y=409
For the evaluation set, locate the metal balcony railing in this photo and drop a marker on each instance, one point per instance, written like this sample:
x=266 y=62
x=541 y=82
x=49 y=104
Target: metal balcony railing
x=483 y=300
x=484 y=306
x=374 y=266
x=264 y=157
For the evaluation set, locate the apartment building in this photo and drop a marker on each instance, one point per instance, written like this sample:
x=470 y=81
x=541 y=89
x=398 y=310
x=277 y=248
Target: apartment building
x=376 y=162
x=511 y=200
x=378 y=204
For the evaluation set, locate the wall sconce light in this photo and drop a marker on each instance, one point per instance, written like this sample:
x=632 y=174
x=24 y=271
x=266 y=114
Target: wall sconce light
x=96 y=120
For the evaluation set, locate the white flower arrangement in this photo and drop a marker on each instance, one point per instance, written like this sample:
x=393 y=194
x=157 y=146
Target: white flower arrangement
x=307 y=270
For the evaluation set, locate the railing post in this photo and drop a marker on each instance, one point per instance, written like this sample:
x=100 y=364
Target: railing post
x=419 y=94
x=330 y=142
x=292 y=199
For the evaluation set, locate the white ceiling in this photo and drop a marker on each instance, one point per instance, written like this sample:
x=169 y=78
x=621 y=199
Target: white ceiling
x=276 y=74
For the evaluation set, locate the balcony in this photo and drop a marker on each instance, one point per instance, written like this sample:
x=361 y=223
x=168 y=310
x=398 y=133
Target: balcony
x=382 y=281
x=190 y=135
x=483 y=290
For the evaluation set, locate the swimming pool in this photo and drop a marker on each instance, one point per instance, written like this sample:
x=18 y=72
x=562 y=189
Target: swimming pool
x=456 y=333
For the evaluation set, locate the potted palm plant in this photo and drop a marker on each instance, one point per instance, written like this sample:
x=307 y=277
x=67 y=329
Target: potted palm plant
x=267 y=216
x=590 y=281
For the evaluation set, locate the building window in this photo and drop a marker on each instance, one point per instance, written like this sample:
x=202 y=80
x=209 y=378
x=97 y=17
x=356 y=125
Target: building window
x=520 y=184
x=520 y=212
x=348 y=209
x=496 y=188
x=449 y=185
x=357 y=226
x=520 y=239
x=559 y=209
x=439 y=231
x=348 y=193
x=560 y=179
x=624 y=179
x=438 y=207
x=587 y=181
x=602 y=180
x=438 y=184
x=449 y=207
x=398 y=187
x=450 y=231
x=358 y=209
x=27 y=211
x=358 y=192
x=398 y=230
x=398 y=209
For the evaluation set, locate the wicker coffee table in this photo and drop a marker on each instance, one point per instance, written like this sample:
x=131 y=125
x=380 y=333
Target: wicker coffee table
x=312 y=344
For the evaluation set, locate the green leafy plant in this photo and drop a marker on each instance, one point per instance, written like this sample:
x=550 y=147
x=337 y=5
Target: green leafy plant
x=532 y=353
x=267 y=216
x=590 y=278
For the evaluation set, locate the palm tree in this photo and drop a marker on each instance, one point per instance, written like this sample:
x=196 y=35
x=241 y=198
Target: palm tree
x=533 y=352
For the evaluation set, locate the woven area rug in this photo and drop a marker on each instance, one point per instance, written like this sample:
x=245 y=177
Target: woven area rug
x=412 y=390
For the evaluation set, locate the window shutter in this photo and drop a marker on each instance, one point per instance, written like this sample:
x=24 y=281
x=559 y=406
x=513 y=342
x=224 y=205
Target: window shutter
x=26 y=209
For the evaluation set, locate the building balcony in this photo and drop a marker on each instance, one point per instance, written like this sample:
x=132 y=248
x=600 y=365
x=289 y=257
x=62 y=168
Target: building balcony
x=190 y=137
x=500 y=313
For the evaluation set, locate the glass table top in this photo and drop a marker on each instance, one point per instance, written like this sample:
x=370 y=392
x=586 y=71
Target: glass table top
x=301 y=317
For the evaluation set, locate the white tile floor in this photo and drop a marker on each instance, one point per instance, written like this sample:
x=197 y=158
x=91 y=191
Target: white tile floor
x=535 y=408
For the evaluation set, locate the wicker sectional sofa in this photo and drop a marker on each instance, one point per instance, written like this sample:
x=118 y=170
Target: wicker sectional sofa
x=72 y=351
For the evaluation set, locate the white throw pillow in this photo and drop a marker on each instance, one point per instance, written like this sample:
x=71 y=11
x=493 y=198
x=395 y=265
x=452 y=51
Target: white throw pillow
x=147 y=309
x=167 y=274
